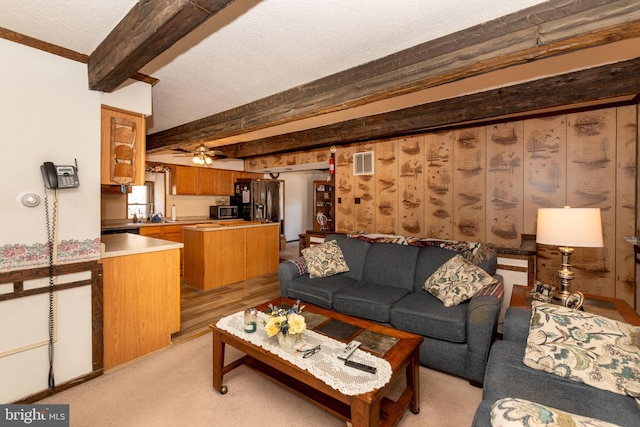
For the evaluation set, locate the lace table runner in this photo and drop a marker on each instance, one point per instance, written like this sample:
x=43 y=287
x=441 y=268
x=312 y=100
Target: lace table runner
x=324 y=365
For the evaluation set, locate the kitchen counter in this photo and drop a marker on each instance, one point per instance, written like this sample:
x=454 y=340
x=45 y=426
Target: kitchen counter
x=228 y=225
x=128 y=224
x=115 y=245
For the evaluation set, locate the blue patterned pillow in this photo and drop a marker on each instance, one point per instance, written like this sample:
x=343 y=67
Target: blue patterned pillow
x=511 y=412
x=456 y=281
x=584 y=347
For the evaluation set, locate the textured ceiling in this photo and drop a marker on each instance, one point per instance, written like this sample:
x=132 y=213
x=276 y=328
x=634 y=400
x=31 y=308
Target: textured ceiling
x=252 y=48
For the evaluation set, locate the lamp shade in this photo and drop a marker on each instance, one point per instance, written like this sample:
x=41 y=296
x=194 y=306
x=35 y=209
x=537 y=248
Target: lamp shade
x=575 y=227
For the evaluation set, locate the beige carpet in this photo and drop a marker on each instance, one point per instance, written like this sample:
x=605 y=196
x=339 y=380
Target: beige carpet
x=172 y=387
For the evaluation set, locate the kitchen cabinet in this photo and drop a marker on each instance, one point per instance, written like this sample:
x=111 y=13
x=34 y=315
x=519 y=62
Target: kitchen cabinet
x=122 y=147
x=323 y=203
x=207 y=182
x=224 y=182
x=141 y=294
x=246 y=176
x=172 y=233
x=191 y=180
x=184 y=180
x=220 y=254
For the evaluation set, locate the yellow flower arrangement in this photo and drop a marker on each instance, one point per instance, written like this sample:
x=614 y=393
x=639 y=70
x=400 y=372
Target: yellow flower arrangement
x=285 y=321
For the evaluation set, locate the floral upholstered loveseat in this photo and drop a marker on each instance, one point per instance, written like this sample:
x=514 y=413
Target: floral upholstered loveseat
x=383 y=279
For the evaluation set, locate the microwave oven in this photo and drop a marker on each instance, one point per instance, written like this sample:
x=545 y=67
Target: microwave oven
x=223 y=212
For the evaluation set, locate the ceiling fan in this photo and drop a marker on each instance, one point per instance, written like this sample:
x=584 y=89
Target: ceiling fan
x=202 y=155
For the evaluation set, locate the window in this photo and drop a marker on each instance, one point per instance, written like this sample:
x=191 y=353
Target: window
x=140 y=200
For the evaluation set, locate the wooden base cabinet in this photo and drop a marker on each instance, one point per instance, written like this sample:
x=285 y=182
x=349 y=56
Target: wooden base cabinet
x=172 y=233
x=220 y=256
x=141 y=304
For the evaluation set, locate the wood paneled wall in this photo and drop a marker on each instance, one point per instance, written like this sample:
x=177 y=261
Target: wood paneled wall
x=486 y=183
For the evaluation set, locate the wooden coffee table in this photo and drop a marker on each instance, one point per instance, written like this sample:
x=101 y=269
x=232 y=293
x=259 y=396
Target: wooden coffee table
x=368 y=409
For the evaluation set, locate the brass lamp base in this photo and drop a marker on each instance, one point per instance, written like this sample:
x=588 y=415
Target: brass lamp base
x=565 y=275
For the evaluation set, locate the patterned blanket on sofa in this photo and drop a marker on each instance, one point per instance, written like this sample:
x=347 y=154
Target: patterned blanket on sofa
x=476 y=252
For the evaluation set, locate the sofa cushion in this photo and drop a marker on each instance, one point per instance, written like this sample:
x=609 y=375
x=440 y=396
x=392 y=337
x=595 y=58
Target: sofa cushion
x=355 y=254
x=457 y=280
x=585 y=347
x=318 y=291
x=423 y=314
x=510 y=412
x=324 y=260
x=391 y=265
x=507 y=376
x=367 y=300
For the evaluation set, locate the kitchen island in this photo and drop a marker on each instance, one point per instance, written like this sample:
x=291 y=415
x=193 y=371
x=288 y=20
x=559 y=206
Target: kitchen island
x=141 y=295
x=219 y=254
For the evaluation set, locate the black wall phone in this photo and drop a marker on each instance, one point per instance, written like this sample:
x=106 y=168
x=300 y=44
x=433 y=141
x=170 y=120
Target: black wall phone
x=59 y=176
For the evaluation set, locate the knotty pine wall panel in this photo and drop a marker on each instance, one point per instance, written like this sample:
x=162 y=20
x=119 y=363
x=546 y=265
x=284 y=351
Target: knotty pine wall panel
x=439 y=185
x=344 y=194
x=411 y=158
x=469 y=184
x=626 y=155
x=585 y=159
x=365 y=192
x=386 y=179
x=545 y=162
x=505 y=192
x=591 y=172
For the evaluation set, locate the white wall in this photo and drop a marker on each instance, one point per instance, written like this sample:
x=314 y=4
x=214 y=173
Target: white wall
x=298 y=198
x=47 y=113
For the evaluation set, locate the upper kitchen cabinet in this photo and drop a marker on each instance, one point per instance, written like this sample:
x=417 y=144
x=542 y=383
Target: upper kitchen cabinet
x=190 y=180
x=122 y=155
x=246 y=176
x=208 y=182
x=224 y=182
x=184 y=180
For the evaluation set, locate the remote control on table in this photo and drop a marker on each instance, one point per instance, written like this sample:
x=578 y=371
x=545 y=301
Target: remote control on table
x=361 y=366
x=346 y=352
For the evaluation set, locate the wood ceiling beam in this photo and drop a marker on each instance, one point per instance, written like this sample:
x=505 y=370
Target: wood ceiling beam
x=61 y=51
x=594 y=84
x=551 y=28
x=149 y=29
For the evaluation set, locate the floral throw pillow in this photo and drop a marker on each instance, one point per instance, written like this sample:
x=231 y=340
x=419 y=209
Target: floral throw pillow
x=584 y=347
x=512 y=412
x=324 y=260
x=457 y=280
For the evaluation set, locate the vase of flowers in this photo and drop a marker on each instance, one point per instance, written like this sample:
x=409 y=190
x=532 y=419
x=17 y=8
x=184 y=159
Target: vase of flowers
x=286 y=324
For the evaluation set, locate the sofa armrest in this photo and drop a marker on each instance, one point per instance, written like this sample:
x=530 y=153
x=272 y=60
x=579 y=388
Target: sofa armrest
x=482 y=322
x=516 y=324
x=498 y=277
x=287 y=273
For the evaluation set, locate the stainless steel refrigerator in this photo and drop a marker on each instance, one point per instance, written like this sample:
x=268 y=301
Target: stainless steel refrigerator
x=265 y=201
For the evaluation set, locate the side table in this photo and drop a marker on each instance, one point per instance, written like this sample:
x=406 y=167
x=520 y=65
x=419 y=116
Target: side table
x=612 y=308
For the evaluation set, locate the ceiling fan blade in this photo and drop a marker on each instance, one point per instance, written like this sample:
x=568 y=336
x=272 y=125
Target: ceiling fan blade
x=217 y=154
x=183 y=150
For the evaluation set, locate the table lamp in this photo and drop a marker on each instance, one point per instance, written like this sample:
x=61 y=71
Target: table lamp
x=568 y=228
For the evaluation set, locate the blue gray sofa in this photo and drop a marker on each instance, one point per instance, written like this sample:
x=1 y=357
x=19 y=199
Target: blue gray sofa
x=508 y=377
x=384 y=285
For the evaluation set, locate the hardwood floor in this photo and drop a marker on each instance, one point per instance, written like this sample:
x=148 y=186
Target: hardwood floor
x=199 y=308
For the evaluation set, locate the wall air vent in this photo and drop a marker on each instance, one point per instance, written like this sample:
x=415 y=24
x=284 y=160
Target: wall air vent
x=363 y=163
